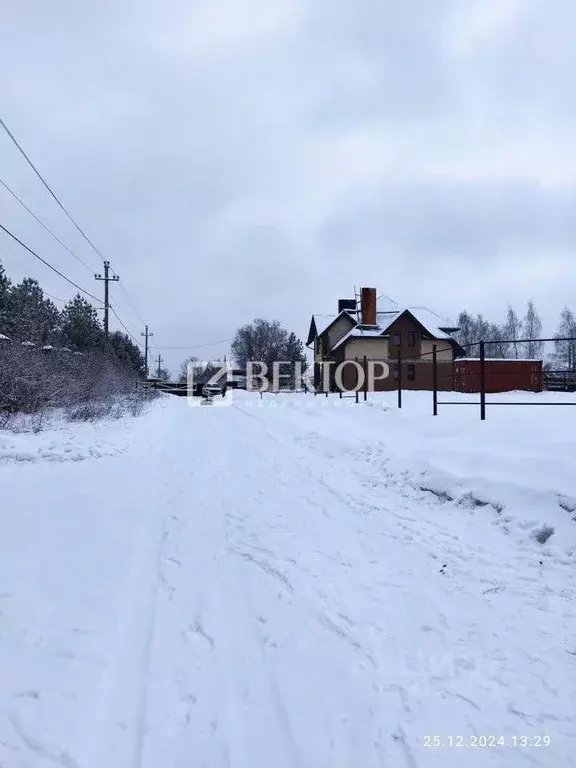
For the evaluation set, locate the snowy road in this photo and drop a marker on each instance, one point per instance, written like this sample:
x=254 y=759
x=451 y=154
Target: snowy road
x=228 y=588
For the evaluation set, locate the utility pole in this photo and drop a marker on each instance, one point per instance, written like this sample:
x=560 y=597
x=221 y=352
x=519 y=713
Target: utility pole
x=160 y=361
x=106 y=280
x=147 y=334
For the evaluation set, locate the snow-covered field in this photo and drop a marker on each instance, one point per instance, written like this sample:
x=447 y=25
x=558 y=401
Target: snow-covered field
x=290 y=581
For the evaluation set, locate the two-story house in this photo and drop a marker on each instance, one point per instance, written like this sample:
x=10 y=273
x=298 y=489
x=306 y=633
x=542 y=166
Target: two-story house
x=372 y=329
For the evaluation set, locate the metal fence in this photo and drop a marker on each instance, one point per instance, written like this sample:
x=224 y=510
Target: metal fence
x=483 y=376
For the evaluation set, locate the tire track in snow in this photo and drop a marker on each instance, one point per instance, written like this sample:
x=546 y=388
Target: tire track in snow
x=120 y=732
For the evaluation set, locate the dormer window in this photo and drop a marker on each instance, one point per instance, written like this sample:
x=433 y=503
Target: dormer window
x=396 y=339
x=412 y=339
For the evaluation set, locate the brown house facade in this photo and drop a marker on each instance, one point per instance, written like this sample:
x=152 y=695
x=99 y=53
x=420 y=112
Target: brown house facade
x=402 y=339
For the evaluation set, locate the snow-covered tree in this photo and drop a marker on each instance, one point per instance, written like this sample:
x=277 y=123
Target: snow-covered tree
x=162 y=374
x=32 y=316
x=127 y=352
x=81 y=327
x=5 y=286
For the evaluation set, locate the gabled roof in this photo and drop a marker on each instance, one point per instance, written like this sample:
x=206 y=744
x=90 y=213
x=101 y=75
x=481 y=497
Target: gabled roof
x=321 y=323
x=434 y=323
x=434 y=326
x=386 y=304
x=359 y=333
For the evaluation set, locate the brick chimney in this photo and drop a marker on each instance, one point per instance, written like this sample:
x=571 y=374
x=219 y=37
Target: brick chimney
x=368 y=304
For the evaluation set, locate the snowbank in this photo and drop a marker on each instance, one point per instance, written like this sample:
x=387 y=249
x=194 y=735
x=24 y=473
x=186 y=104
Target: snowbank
x=518 y=467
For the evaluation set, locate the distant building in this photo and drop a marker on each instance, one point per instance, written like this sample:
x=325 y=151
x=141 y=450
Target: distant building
x=375 y=329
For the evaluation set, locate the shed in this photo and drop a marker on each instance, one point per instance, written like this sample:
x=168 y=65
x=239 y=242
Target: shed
x=501 y=375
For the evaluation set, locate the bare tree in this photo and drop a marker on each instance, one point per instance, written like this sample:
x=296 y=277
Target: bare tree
x=466 y=333
x=565 y=351
x=532 y=330
x=498 y=346
x=267 y=342
x=513 y=331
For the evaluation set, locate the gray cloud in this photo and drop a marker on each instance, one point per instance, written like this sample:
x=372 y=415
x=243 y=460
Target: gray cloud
x=241 y=158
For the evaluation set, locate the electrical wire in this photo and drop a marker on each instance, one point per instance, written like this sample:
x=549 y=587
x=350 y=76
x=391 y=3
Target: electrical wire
x=76 y=225
x=45 y=183
x=194 y=346
x=13 y=236
x=131 y=303
x=54 y=298
x=23 y=204
x=117 y=316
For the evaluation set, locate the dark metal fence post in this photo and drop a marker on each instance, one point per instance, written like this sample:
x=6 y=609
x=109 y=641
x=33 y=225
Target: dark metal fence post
x=482 y=382
x=399 y=379
x=365 y=379
x=434 y=380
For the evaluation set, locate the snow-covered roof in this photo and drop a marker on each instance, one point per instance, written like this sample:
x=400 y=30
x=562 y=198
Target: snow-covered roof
x=388 y=311
x=48 y=347
x=430 y=319
x=64 y=349
x=359 y=333
x=386 y=304
x=28 y=344
x=4 y=338
x=322 y=322
x=427 y=319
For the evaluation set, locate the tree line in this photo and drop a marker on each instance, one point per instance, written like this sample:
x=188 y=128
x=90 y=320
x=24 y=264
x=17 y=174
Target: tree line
x=52 y=358
x=506 y=338
x=28 y=315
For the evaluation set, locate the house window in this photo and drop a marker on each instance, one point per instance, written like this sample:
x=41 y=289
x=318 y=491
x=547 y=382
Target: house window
x=395 y=372
x=396 y=339
x=411 y=372
x=412 y=339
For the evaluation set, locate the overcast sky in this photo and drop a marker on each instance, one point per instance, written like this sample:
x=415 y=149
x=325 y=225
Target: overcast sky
x=259 y=158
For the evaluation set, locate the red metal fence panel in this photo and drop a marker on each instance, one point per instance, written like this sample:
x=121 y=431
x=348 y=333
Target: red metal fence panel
x=501 y=375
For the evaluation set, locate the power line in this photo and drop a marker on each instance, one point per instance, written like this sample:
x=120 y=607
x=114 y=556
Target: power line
x=427 y=309
x=54 y=298
x=70 y=217
x=45 y=183
x=138 y=315
x=134 y=339
x=3 y=228
x=147 y=334
x=195 y=346
x=106 y=280
x=23 y=204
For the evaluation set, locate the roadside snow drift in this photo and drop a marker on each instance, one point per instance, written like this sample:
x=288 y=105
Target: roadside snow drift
x=290 y=581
